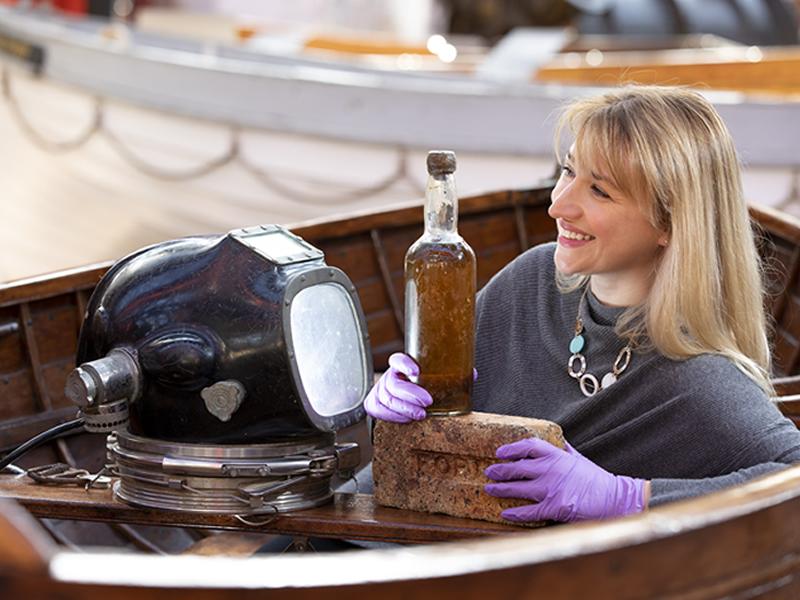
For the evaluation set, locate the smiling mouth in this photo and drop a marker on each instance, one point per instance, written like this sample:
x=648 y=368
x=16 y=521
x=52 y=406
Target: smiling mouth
x=571 y=235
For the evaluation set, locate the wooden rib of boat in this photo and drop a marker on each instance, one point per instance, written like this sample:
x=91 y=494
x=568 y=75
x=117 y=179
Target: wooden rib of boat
x=744 y=541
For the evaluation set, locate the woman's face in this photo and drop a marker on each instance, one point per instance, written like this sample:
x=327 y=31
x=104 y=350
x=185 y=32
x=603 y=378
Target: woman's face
x=603 y=233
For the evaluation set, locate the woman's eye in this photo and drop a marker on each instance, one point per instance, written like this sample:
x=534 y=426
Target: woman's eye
x=599 y=192
x=567 y=170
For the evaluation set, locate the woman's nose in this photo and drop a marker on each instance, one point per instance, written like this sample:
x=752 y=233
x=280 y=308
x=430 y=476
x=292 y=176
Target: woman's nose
x=563 y=204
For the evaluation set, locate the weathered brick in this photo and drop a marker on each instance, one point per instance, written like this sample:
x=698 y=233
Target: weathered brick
x=436 y=465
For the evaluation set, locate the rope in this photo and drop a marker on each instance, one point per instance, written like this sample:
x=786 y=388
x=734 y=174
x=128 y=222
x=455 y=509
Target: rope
x=55 y=147
x=400 y=173
x=232 y=154
x=169 y=175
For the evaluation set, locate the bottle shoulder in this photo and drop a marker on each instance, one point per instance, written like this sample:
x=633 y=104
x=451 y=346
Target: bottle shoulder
x=446 y=245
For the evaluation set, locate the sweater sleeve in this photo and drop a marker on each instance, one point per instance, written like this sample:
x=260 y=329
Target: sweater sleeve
x=668 y=490
x=729 y=434
x=776 y=446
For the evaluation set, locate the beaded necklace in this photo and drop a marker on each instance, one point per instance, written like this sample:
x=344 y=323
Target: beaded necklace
x=588 y=383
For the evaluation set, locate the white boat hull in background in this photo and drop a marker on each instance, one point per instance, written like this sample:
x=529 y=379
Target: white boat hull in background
x=311 y=139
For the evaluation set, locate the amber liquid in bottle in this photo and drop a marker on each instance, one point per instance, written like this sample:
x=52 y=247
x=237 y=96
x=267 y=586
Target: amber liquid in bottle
x=440 y=297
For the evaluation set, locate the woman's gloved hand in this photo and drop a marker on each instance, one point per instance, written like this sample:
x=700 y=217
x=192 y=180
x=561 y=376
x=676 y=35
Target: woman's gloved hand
x=394 y=398
x=565 y=485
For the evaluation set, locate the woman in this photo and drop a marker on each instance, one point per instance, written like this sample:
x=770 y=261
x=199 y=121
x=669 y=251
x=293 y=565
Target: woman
x=641 y=331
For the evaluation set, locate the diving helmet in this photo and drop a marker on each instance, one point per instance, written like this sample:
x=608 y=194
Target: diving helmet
x=224 y=366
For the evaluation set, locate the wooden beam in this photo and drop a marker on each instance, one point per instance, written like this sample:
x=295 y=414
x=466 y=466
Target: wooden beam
x=386 y=275
x=349 y=516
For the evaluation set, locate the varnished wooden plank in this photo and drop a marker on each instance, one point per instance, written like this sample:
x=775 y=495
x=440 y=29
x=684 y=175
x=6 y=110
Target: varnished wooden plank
x=489 y=229
x=491 y=261
x=782 y=229
x=33 y=356
x=787 y=386
x=790 y=319
x=81 y=300
x=779 y=277
x=522 y=233
x=383 y=328
x=789 y=325
x=55 y=326
x=396 y=242
x=776 y=222
x=17 y=396
x=373 y=295
x=53 y=284
x=12 y=352
x=55 y=376
x=42 y=392
x=353 y=255
x=790 y=407
x=351 y=516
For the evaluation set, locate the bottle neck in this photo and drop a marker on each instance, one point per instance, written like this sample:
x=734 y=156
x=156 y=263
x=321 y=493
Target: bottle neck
x=441 y=207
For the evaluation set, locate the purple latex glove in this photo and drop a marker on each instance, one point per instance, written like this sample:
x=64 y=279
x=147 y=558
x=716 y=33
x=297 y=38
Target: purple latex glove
x=394 y=398
x=565 y=485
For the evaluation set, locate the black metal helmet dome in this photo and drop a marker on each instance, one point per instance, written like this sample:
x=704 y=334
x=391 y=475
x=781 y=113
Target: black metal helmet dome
x=242 y=338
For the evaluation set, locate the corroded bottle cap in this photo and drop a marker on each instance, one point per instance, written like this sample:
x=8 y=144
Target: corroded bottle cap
x=441 y=162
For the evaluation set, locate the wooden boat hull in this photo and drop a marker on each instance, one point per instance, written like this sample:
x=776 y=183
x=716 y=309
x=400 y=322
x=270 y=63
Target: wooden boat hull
x=743 y=540
x=741 y=543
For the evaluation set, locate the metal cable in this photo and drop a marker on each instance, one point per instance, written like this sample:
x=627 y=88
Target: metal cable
x=42 y=438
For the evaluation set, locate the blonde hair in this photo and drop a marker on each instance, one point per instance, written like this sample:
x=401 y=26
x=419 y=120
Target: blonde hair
x=668 y=148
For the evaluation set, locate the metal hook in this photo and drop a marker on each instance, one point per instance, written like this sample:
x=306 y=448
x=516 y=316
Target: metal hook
x=242 y=519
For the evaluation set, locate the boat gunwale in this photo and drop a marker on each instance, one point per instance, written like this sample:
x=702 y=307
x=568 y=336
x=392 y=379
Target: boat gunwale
x=447 y=559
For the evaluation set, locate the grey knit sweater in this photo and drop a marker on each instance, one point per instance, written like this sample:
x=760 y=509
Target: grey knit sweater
x=690 y=426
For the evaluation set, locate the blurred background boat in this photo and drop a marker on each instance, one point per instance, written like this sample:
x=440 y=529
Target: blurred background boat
x=174 y=118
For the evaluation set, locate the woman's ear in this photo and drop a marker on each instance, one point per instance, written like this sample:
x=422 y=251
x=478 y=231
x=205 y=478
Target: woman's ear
x=664 y=234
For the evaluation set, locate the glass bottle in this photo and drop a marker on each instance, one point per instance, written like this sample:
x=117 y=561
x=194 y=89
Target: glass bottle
x=440 y=296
